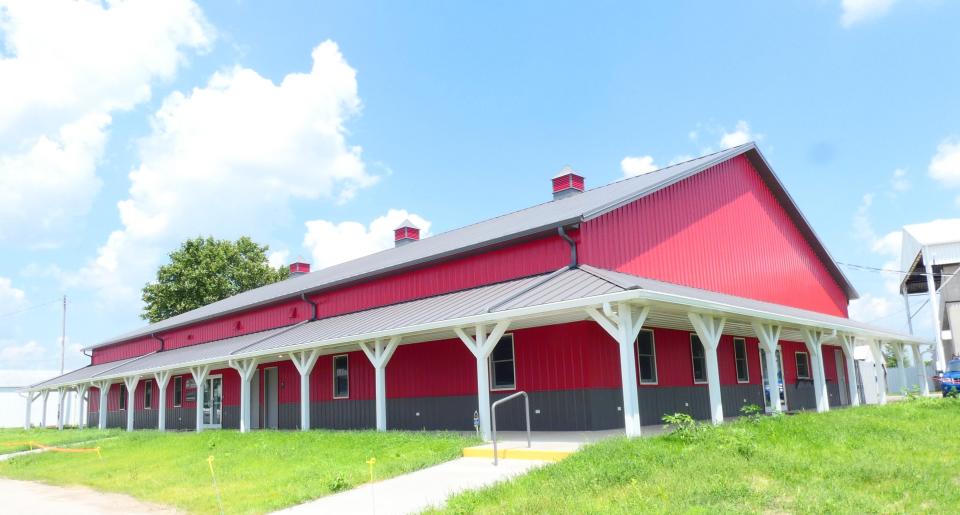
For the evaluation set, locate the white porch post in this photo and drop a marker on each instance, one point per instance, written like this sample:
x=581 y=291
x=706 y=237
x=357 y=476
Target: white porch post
x=104 y=389
x=848 y=344
x=921 y=369
x=379 y=356
x=814 y=339
x=200 y=377
x=769 y=336
x=880 y=362
x=710 y=328
x=163 y=379
x=43 y=414
x=130 y=383
x=82 y=405
x=246 y=368
x=31 y=396
x=481 y=345
x=304 y=361
x=934 y=310
x=898 y=349
x=61 y=408
x=624 y=327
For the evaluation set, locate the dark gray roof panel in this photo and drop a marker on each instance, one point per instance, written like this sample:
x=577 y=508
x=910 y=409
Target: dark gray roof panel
x=534 y=220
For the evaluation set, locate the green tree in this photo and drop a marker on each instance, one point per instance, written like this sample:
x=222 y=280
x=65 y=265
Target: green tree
x=205 y=270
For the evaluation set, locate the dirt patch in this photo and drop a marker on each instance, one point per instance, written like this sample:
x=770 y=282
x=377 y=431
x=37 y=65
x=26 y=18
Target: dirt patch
x=30 y=497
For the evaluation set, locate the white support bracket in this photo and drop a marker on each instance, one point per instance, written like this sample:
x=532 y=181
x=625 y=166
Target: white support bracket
x=104 y=388
x=304 y=361
x=709 y=329
x=30 y=397
x=881 y=363
x=130 y=383
x=163 y=379
x=61 y=408
x=82 y=404
x=481 y=344
x=814 y=340
x=200 y=374
x=246 y=368
x=901 y=373
x=379 y=356
x=624 y=325
x=848 y=343
x=769 y=337
x=921 y=369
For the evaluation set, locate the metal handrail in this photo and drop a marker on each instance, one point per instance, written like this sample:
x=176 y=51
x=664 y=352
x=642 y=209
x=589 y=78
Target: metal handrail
x=493 y=410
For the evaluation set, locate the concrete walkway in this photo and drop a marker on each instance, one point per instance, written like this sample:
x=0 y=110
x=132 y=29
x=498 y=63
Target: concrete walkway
x=417 y=491
x=29 y=497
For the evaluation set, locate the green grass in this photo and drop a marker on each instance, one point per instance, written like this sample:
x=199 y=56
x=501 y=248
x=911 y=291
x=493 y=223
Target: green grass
x=50 y=437
x=256 y=472
x=902 y=457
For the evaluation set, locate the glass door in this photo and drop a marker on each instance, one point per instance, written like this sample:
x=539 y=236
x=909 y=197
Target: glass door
x=213 y=401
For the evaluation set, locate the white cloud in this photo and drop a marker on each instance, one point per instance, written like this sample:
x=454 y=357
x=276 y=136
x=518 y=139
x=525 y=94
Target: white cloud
x=278 y=258
x=228 y=159
x=10 y=297
x=870 y=308
x=637 y=165
x=857 y=11
x=899 y=181
x=332 y=243
x=66 y=66
x=740 y=135
x=945 y=164
x=14 y=353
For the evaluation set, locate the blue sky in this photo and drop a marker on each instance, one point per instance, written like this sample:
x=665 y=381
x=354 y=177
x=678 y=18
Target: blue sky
x=126 y=127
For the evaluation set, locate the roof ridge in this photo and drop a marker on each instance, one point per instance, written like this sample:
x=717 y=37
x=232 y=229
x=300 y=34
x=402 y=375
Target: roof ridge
x=271 y=335
x=526 y=289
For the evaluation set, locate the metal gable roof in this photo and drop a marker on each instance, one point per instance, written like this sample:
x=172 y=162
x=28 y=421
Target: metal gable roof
x=429 y=315
x=535 y=220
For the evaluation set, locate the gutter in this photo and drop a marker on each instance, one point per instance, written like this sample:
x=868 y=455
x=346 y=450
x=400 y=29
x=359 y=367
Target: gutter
x=313 y=315
x=573 y=246
x=159 y=339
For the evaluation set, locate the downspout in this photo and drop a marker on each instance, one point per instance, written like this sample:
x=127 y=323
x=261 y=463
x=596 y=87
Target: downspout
x=313 y=316
x=159 y=339
x=573 y=246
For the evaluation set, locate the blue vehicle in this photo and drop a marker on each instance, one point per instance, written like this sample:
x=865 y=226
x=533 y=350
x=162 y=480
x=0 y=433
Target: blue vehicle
x=950 y=380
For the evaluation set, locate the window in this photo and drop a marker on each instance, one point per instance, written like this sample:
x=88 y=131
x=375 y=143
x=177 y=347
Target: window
x=178 y=391
x=123 y=397
x=646 y=357
x=803 y=366
x=503 y=373
x=740 y=356
x=341 y=377
x=699 y=359
x=148 y=395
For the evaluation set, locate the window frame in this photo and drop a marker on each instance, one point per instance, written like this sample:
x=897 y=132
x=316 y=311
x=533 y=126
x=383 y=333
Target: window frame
x=746 y=360
x=177 y=391
x=806 y=361
x=653 y=357
x=148 y=388
x=693 y=359
x=491 y=370
x=333 y=363
x=123 y=399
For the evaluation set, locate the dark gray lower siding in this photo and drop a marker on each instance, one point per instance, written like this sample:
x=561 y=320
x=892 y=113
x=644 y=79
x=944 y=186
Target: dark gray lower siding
x=344 y=414
x=230 y=417
x=117 y=419
x=735 y=397
x=800 y=396
x=833 y=391
x=145 y=419
x=288 y=416
x=181 y=419
x=93 y=418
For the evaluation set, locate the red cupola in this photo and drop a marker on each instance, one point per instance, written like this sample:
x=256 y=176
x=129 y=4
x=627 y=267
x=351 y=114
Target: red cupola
x=567 y=183
x=406 y=233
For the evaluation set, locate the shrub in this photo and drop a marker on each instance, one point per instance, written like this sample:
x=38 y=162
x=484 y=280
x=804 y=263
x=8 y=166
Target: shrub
x=752 y=413
x=683 y=426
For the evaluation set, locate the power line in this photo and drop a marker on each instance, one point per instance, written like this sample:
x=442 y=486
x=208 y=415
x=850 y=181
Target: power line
x=29 y=308
x=889 y=270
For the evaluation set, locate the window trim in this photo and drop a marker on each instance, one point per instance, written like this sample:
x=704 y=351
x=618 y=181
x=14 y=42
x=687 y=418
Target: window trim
x=806 y=359
x=123 y=399
x=177 y=388
x=693 y=368
x=653 y=355
x=147 y=385
x=334 y=375
x=746 y=360
x=513 y=362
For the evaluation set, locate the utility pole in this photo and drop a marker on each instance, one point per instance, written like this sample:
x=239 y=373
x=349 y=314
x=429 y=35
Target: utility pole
x=63 y=332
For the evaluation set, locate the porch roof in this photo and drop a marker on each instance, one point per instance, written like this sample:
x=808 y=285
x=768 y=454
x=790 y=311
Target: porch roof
x=557 y=297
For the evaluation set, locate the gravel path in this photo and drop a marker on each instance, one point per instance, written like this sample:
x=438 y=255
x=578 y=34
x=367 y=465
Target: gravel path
x=27 y=497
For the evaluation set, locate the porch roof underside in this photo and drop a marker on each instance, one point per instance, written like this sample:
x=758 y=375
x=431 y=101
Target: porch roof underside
x=558 y=297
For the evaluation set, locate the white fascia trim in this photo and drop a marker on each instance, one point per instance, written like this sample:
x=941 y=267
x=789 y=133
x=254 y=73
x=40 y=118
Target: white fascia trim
x=701 y=305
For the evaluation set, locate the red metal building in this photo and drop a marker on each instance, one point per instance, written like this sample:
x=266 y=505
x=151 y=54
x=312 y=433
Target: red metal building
x=687 y=289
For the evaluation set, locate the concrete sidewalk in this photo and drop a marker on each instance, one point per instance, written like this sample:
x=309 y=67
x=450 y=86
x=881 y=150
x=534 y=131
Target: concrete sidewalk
x=417 y=491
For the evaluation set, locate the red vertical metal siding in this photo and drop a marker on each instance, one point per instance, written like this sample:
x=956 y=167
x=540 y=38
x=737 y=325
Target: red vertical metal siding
x=361 y=380
x=125 y=350
x=438 y=368
x=721 y=230
x=788 y=352
x=93 y=399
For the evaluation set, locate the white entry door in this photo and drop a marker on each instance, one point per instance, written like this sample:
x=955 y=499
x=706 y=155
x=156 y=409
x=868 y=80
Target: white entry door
x=213 y=401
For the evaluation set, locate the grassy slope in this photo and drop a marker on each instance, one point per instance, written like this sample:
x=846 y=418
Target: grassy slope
x=895 y=458
x=50 y=437
x=256 y=472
